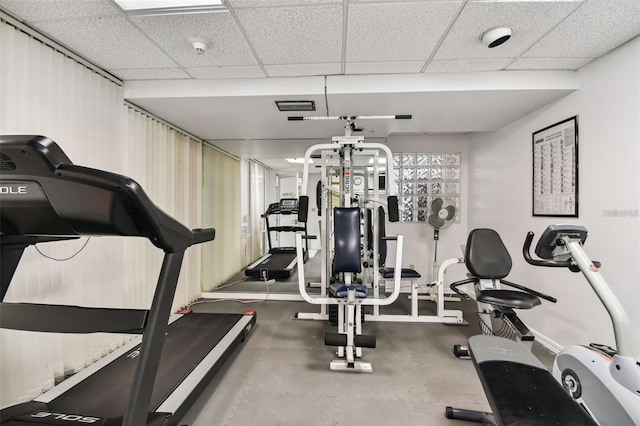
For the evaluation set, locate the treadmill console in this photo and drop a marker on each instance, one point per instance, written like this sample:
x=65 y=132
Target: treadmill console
x=551 y=237
x=288 y=205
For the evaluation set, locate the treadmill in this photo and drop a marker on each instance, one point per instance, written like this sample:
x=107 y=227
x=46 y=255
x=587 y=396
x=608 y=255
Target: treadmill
x=279 y=262
x=45 y=197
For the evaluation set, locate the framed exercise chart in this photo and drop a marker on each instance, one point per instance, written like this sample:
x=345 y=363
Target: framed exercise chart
x=555 y=169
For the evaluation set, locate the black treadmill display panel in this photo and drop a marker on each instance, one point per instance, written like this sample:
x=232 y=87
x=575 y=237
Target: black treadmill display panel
x=288 y=204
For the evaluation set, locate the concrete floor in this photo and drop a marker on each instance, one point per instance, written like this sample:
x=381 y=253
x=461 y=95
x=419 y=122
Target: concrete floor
x=280 y=375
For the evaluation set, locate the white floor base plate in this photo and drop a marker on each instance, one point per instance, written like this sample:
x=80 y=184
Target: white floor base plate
x=356 y=367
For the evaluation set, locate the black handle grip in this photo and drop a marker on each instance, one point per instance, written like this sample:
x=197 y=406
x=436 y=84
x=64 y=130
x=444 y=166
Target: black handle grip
x=303 y=208
x=392 y=203
x=203 y=235
x=403 y=117
x=454 y=287
x=530 y=291
x=299 y=118
x=309 y=237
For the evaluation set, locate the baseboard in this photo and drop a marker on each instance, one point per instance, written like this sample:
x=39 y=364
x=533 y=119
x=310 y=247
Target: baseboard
x=546 y=342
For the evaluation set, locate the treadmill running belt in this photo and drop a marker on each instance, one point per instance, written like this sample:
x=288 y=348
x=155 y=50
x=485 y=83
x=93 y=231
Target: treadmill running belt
x=105 y=393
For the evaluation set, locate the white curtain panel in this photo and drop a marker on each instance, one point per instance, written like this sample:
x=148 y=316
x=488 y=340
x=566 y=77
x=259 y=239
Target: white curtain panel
x=221 y=209
x=252 y=184
x=258 y=226
x=44 y=91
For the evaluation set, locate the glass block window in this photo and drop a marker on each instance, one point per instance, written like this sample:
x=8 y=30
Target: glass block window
x=422 y=177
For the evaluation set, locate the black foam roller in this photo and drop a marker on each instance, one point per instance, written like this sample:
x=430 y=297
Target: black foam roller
x=335 y=339
x=364 y=341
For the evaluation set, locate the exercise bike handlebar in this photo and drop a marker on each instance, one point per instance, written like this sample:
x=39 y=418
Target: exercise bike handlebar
x=530 y=291
x=539 y=262
x=454 y=287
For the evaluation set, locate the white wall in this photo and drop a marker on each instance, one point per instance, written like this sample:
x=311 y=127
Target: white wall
x=419 y=245
x=608 y=106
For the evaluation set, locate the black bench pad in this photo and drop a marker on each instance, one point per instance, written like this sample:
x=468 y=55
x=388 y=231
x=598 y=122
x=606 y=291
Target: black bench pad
x=518 y=387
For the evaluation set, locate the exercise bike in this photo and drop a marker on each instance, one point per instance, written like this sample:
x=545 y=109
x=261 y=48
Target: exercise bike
x=604 y=381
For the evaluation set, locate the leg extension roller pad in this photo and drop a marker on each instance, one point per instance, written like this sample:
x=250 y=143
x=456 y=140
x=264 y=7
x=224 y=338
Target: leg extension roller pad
x=360 y=341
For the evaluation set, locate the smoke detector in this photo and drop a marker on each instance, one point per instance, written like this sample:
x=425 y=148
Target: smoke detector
x=496 y=36
x=199 y=47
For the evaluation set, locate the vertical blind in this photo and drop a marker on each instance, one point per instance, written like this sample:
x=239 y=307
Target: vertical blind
x=44 y=91
x=257 y=203
x=221 y=188
x=252 y=181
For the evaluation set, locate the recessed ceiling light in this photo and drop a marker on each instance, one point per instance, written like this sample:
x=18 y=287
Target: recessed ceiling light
x=168 y=6
x=296 y=105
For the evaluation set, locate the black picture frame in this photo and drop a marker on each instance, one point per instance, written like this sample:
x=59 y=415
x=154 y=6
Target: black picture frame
x=555 y=169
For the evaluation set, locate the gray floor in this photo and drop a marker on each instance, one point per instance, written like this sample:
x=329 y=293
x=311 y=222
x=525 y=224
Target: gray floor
x=280 y=375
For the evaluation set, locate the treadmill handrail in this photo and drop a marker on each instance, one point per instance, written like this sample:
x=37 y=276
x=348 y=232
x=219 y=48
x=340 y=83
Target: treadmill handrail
x=71 y=319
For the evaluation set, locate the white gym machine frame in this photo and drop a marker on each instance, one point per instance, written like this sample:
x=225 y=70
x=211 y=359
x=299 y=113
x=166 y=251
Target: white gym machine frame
x=342 y=149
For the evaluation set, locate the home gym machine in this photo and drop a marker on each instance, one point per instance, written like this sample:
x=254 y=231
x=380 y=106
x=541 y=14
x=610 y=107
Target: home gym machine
x=45 y=197
x=367 y=171
x=342 y=245
x=279 y=262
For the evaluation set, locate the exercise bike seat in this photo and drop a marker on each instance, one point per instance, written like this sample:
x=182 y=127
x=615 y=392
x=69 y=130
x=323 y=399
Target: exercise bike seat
x=520 y=390
x=508 y=298
x=487 y=257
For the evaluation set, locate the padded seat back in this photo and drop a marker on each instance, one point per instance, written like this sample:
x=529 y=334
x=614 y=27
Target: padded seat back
x=486 y=256
x=347 y=238
x=382 y=243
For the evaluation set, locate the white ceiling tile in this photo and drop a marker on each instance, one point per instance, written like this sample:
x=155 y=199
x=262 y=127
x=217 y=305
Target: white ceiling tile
x=265 y=3
x=47 y=10
x=226 y=44
x=226 y=72
x=111 y=42
x=467 y=65
x=295 y=35
x=150 y=74
x=549 y=63
x=406 y=67
x=303 y=69
x=594 y=29
x=530 y=20
x=396 y=32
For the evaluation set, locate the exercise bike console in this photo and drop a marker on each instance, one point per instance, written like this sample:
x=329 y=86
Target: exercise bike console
x=552 y=240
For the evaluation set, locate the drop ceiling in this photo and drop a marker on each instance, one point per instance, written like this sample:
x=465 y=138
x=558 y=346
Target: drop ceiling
x=351 y=57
